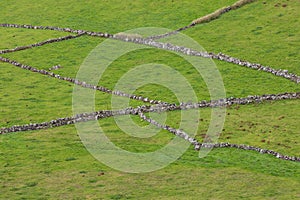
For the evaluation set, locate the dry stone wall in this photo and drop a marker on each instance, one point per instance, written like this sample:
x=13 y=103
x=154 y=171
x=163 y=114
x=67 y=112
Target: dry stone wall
x=157 y=105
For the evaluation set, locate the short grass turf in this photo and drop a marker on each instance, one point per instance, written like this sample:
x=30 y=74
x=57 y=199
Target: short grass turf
x=53 y=163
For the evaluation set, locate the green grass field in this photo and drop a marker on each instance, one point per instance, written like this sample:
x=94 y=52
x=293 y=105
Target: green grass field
x=54 y=164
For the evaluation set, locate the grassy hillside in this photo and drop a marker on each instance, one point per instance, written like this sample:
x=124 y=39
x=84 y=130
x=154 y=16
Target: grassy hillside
x=54 y=164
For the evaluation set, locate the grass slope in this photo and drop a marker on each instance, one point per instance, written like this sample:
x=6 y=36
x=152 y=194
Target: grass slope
x=53 y=163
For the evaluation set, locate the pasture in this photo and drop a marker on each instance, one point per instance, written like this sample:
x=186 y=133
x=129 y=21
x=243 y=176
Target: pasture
x=53 y=163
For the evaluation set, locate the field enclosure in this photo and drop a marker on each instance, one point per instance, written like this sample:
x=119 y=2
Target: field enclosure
x=43 y=157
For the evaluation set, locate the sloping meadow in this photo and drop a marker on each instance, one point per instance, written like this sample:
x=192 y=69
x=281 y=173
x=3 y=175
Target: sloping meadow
x=53 y=163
